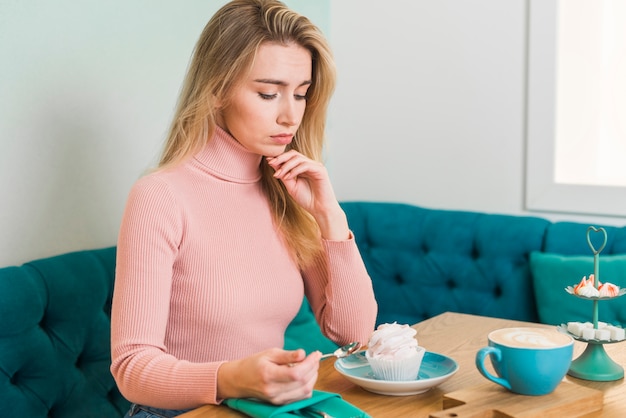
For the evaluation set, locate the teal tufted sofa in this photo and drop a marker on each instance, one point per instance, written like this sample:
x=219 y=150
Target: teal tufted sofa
x=54 y=337
x=424 y=262
x=54 y=312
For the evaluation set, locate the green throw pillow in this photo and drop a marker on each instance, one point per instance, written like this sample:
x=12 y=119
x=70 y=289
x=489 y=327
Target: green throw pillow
x=552 y=273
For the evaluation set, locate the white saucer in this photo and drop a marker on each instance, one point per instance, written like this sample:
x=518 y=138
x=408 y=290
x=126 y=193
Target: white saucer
x=435 y=369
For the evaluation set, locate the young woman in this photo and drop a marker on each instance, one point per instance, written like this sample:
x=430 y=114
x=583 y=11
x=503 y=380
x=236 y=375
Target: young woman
x=219 y=245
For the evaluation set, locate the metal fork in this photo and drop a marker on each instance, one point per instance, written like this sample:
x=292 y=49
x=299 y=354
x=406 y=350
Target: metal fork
x=320 y=413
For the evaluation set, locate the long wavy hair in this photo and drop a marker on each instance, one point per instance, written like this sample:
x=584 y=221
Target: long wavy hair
x=222 y=56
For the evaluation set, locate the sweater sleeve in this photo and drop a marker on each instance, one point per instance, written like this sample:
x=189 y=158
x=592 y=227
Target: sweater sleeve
x=340 y=292
x=148 y=242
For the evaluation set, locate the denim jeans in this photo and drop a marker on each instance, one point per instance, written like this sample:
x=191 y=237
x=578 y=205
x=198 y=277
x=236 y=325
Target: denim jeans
x=140 y=411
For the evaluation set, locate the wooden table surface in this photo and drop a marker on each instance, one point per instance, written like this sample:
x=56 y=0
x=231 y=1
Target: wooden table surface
x=458 y=336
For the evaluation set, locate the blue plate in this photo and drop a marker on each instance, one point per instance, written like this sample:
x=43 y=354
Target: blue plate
x=435 y=369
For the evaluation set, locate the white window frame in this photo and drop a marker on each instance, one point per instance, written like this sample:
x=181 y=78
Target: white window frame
x=542 y=192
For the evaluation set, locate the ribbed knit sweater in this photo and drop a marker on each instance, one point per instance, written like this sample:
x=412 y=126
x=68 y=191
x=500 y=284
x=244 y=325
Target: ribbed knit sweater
x=202 y=277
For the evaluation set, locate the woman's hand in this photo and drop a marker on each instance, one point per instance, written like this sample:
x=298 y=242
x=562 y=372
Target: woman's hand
x=275 y=375
x=308 y=183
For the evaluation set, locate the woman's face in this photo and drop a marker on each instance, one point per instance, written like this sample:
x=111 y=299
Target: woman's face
x=266 y=108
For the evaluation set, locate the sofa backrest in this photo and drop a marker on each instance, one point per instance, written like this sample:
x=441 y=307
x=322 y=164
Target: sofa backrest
x=426 y=261
x=570 y=238
x=55 y=338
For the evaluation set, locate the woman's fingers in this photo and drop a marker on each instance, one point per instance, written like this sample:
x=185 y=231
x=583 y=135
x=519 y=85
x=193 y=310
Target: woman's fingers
x=292 y=164
x=302 y=378
x=308 y=183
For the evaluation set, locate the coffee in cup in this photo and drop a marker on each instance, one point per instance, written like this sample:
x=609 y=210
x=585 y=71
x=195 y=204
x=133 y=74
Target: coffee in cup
x=527 y=360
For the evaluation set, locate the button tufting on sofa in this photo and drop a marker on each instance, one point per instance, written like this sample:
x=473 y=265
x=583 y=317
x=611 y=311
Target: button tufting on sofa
x=463 y=261
x=497 y=292
x=54 y=338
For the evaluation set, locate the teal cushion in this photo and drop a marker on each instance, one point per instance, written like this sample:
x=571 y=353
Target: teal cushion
x=304 y=332
x=552 y=273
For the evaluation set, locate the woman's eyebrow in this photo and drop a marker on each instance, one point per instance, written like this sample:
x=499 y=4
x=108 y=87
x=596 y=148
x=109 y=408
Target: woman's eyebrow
x=279 y=82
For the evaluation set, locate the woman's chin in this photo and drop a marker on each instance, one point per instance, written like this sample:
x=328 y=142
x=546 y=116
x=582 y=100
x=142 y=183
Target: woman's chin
x=274 y=152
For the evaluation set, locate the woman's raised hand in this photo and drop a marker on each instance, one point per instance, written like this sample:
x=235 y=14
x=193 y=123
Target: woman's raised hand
x=308 y=183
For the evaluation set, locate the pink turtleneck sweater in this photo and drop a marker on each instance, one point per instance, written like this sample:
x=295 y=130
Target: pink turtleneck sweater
x=202 y=277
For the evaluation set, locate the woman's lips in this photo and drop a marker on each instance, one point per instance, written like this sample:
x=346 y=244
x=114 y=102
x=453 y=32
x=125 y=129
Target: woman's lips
x=282 y=139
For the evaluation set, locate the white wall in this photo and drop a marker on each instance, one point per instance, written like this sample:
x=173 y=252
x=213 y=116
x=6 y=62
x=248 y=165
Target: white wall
x=429 y=109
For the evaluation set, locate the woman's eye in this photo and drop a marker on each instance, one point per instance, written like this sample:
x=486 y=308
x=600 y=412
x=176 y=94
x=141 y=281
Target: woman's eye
x=267 y=96
x=300 y=96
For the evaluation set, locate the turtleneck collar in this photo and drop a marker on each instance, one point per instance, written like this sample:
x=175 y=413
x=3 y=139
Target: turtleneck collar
x=227 y=159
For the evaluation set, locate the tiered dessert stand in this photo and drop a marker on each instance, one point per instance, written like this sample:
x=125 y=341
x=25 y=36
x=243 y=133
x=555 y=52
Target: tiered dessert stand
x=594 y=363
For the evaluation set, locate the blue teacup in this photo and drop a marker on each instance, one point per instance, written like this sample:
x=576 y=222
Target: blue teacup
x=527 y=360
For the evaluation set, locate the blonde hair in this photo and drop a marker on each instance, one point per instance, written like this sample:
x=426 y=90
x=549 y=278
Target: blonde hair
x=222 y=56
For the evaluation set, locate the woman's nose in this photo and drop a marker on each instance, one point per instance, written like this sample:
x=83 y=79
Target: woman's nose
x=290 y=113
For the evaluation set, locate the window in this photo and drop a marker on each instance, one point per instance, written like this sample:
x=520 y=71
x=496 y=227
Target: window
x=576 y=156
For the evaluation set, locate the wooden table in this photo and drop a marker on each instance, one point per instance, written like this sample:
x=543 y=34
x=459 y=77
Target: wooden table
x=458 y=336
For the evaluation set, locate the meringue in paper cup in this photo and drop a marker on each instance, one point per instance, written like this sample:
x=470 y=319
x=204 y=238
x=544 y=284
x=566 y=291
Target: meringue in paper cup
x=393 y=352
x=403 y=369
